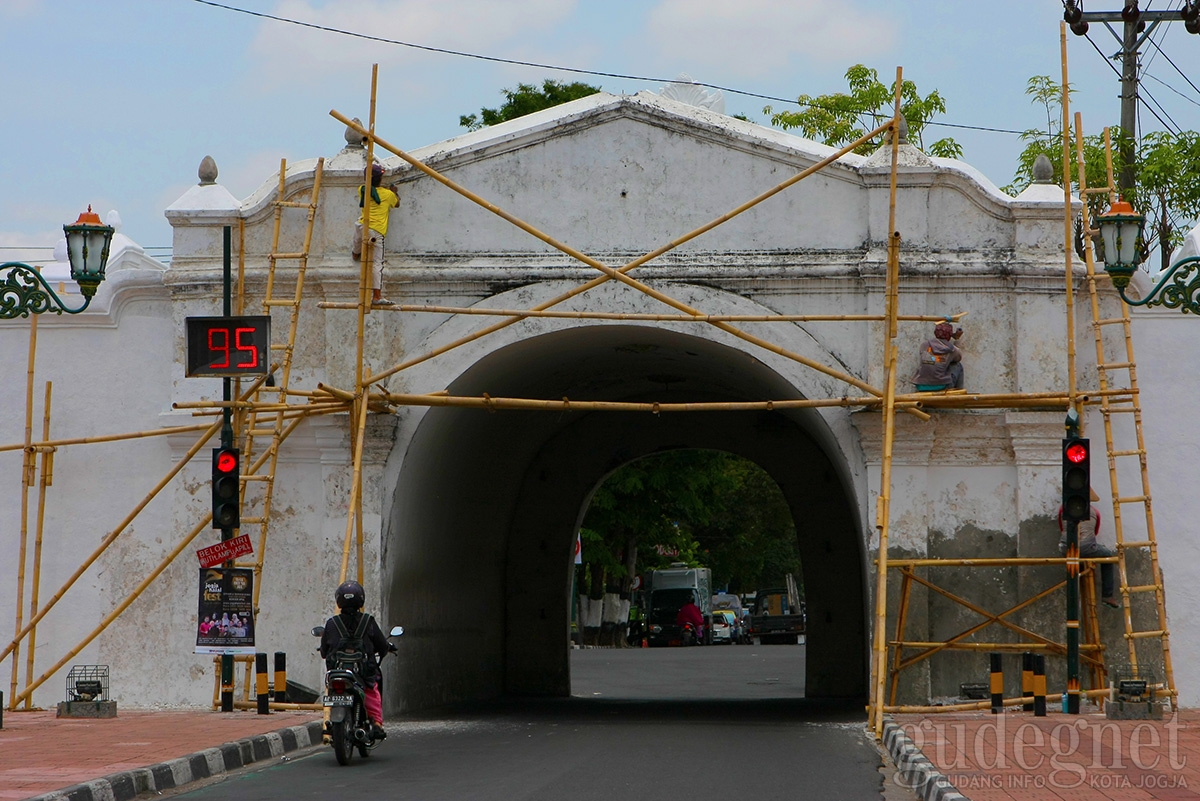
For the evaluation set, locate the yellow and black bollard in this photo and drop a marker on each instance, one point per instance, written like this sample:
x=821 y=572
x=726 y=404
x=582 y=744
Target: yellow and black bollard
x=1039 y=685
x=997 y=684
x=262 y=688
x=280 y=676
x=1027 y=680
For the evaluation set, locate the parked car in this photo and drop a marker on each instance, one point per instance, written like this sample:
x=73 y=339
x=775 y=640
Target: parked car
x=724 y=627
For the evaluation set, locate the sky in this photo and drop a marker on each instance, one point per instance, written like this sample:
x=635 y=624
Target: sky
x=115 y=103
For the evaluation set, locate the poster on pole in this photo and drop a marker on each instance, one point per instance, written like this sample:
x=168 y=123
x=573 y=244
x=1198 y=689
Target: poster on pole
x=225 y=620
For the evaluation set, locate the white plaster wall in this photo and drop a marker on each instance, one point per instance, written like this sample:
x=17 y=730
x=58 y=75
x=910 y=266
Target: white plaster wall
x=1168 y=358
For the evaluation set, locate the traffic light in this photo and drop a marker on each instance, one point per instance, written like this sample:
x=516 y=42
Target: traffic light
x=226 y=464
x=1076 y=479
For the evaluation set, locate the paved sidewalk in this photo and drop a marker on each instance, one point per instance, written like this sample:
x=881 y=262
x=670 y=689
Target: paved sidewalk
x=1014 y=755
x=41 y=753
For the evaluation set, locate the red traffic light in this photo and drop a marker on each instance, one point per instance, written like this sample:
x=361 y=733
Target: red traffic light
x=227 y=461
x=1076 y=452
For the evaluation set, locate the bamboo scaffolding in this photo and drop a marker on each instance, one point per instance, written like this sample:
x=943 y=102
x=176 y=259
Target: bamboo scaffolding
x=27 y=692
x=109 y=538
x=953 y=643
x=993 y=619
x=617 y=273
x=662 y=318
x=47 y=477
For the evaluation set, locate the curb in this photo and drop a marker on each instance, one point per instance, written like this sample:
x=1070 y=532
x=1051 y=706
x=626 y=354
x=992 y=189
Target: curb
x=914 y=768
x=126 y=785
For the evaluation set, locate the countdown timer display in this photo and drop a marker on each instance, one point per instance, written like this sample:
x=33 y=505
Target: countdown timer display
x=228 y=346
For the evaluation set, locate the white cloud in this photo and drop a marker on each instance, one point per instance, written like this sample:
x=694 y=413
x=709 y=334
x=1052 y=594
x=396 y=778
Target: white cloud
x=483 y=26
x=20 y=8
x=754 y=38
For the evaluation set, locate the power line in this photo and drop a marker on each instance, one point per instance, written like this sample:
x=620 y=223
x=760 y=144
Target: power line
x=556 y=68
x=1118 y=73
x=1176 y=66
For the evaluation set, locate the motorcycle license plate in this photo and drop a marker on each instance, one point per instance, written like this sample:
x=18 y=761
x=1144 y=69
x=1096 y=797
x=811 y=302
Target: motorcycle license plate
x=339 y=700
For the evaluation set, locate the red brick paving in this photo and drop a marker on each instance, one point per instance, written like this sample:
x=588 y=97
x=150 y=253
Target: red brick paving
x=40 y=753
x=1062 y=757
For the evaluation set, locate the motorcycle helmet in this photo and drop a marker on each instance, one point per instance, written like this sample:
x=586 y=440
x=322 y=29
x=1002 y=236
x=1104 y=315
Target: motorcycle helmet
x=350 y=595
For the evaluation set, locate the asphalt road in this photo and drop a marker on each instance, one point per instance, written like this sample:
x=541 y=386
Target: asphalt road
x=720 y=723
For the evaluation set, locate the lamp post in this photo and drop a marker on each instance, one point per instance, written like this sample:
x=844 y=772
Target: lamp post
x=23 y=290
x=1121 y=233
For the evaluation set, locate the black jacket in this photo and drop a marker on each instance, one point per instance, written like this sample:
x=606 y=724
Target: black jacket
x=374 y=643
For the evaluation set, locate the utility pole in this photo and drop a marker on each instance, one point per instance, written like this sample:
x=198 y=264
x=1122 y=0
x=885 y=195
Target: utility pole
x=1137 y=25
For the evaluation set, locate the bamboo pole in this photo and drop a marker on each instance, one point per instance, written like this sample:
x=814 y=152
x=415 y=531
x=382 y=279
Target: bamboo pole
x=355 y=486
x=1054 y=647
x=609 y=272
x=1066 y=151
x=158 y=432
x=568 y=405
x=999 y=561
x=976 y=705
x=27 y=467
x=280 y=706
x=901 y=622
x=47 y=478
x=664 y=318
x=879 y=661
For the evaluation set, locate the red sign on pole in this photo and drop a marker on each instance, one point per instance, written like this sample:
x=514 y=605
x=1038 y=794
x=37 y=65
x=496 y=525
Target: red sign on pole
x=214 y=555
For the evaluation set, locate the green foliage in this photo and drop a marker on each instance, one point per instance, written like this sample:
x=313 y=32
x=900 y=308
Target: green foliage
x=526 y=99
x=840 y=118
x=1167 y=170
x=705 y=508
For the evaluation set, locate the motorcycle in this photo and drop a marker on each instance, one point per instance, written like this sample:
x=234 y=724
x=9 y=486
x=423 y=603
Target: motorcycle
x=348 y=726
x=690 y=636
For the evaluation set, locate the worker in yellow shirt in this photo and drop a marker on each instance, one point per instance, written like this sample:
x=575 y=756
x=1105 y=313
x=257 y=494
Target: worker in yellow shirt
x=383 y=200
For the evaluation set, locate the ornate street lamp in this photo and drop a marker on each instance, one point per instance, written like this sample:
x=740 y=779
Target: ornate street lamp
x=23 y=290
x=1124 y=250
x=1121 y=233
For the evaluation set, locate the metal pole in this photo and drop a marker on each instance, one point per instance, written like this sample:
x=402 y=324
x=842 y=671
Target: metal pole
x=227 y=411
x=1129 y=92
x=1072 y=708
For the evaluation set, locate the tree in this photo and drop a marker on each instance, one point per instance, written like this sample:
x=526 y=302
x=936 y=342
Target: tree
x=1167 y=170
x=838 y=119
x=703 y=508
x=526 y=99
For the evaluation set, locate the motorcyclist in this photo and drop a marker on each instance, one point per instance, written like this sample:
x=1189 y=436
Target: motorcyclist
x=690 y=613
x=350 y=598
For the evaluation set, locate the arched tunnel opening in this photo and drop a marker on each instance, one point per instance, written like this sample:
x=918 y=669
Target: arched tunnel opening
x=477 y=560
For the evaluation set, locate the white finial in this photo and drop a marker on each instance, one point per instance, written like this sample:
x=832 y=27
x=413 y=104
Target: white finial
x=113 y=220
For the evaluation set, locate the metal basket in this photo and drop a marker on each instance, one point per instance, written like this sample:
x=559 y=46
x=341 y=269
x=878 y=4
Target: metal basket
x=88 y=683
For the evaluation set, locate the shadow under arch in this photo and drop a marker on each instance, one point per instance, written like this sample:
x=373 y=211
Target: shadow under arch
x=477 y=561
